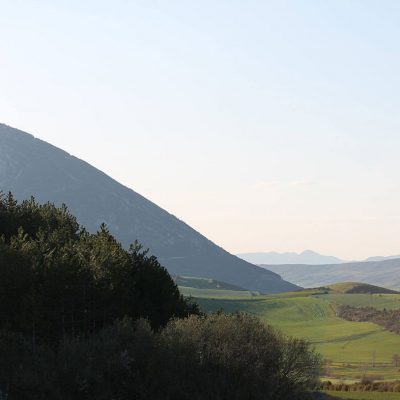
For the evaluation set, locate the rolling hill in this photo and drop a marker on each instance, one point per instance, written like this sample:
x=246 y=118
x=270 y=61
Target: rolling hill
x=358 y=288
x=31 y=167
x=210 y=288
x=204 y=283
x=350 y=348
x=384 y=273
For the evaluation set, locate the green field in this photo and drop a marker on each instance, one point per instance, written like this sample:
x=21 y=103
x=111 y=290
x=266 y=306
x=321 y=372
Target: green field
x=352 y=348
x=357 y=287
x=217 y=293
x=363 y=395
x=204 y=283
x=379 y=301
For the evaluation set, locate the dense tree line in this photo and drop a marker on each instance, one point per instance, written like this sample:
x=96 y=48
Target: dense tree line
x=366 y=384
x=58 y=280
x=389 y=319
x=82 y=318
x=222 y=357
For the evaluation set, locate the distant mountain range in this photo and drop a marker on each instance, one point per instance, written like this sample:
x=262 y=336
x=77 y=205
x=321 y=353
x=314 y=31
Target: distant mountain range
x=306 y=257
x=29 y=166
x=384 y=273
x=380 y=258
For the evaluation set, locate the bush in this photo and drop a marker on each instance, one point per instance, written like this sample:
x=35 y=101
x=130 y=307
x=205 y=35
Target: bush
x=235 y=357
x=82 y=318
x=221 y=357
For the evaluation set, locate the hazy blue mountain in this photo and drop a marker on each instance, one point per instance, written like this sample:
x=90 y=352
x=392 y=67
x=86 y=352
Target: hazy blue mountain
x=29 y=166
x=382 y=258
x=380 y=273
x=306 y=257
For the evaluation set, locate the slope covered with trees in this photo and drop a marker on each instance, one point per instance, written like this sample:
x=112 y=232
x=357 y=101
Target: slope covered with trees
x=57 y=279
x=81 y=318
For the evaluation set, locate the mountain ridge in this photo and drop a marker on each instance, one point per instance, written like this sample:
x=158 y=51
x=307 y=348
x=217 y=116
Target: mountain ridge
x=384 y=273
x=32 y=167
x=308 y=257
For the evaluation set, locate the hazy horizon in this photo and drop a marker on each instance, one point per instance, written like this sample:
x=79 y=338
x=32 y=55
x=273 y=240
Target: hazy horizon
x=265 y=126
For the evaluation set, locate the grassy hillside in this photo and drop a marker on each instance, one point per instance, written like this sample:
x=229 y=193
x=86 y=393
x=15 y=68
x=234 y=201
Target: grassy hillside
x=211 y=288
x=217 y=293
x=382 y=273
x=204 y=283
x=353 y=348
x=378 y=301
x=361 y=396
x=358 y=288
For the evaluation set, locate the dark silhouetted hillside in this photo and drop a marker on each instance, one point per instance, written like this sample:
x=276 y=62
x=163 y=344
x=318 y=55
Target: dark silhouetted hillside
x=29 y=166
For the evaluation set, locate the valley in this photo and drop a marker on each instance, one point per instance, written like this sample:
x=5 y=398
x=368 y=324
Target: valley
x=350 y=349
x=200 y=200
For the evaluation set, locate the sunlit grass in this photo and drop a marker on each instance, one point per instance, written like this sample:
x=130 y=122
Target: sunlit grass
x=353 y=348
x=363 y=395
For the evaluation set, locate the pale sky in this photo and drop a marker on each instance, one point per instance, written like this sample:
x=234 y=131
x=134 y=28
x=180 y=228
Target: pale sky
x=265 y=125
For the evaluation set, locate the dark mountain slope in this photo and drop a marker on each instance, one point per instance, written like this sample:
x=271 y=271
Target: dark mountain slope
x=29 y=166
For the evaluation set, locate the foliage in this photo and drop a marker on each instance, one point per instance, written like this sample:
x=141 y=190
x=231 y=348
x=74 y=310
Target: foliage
x=57 y=280
x=238 y=357
x=351 y=346
x=366 y=384
x=81 y=318
x=389 y=319
x=220 y=357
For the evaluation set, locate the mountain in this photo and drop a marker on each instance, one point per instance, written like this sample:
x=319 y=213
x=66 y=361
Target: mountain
x=306 y=257
x=381 y=258
x=381 y=273
x=29 y=166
